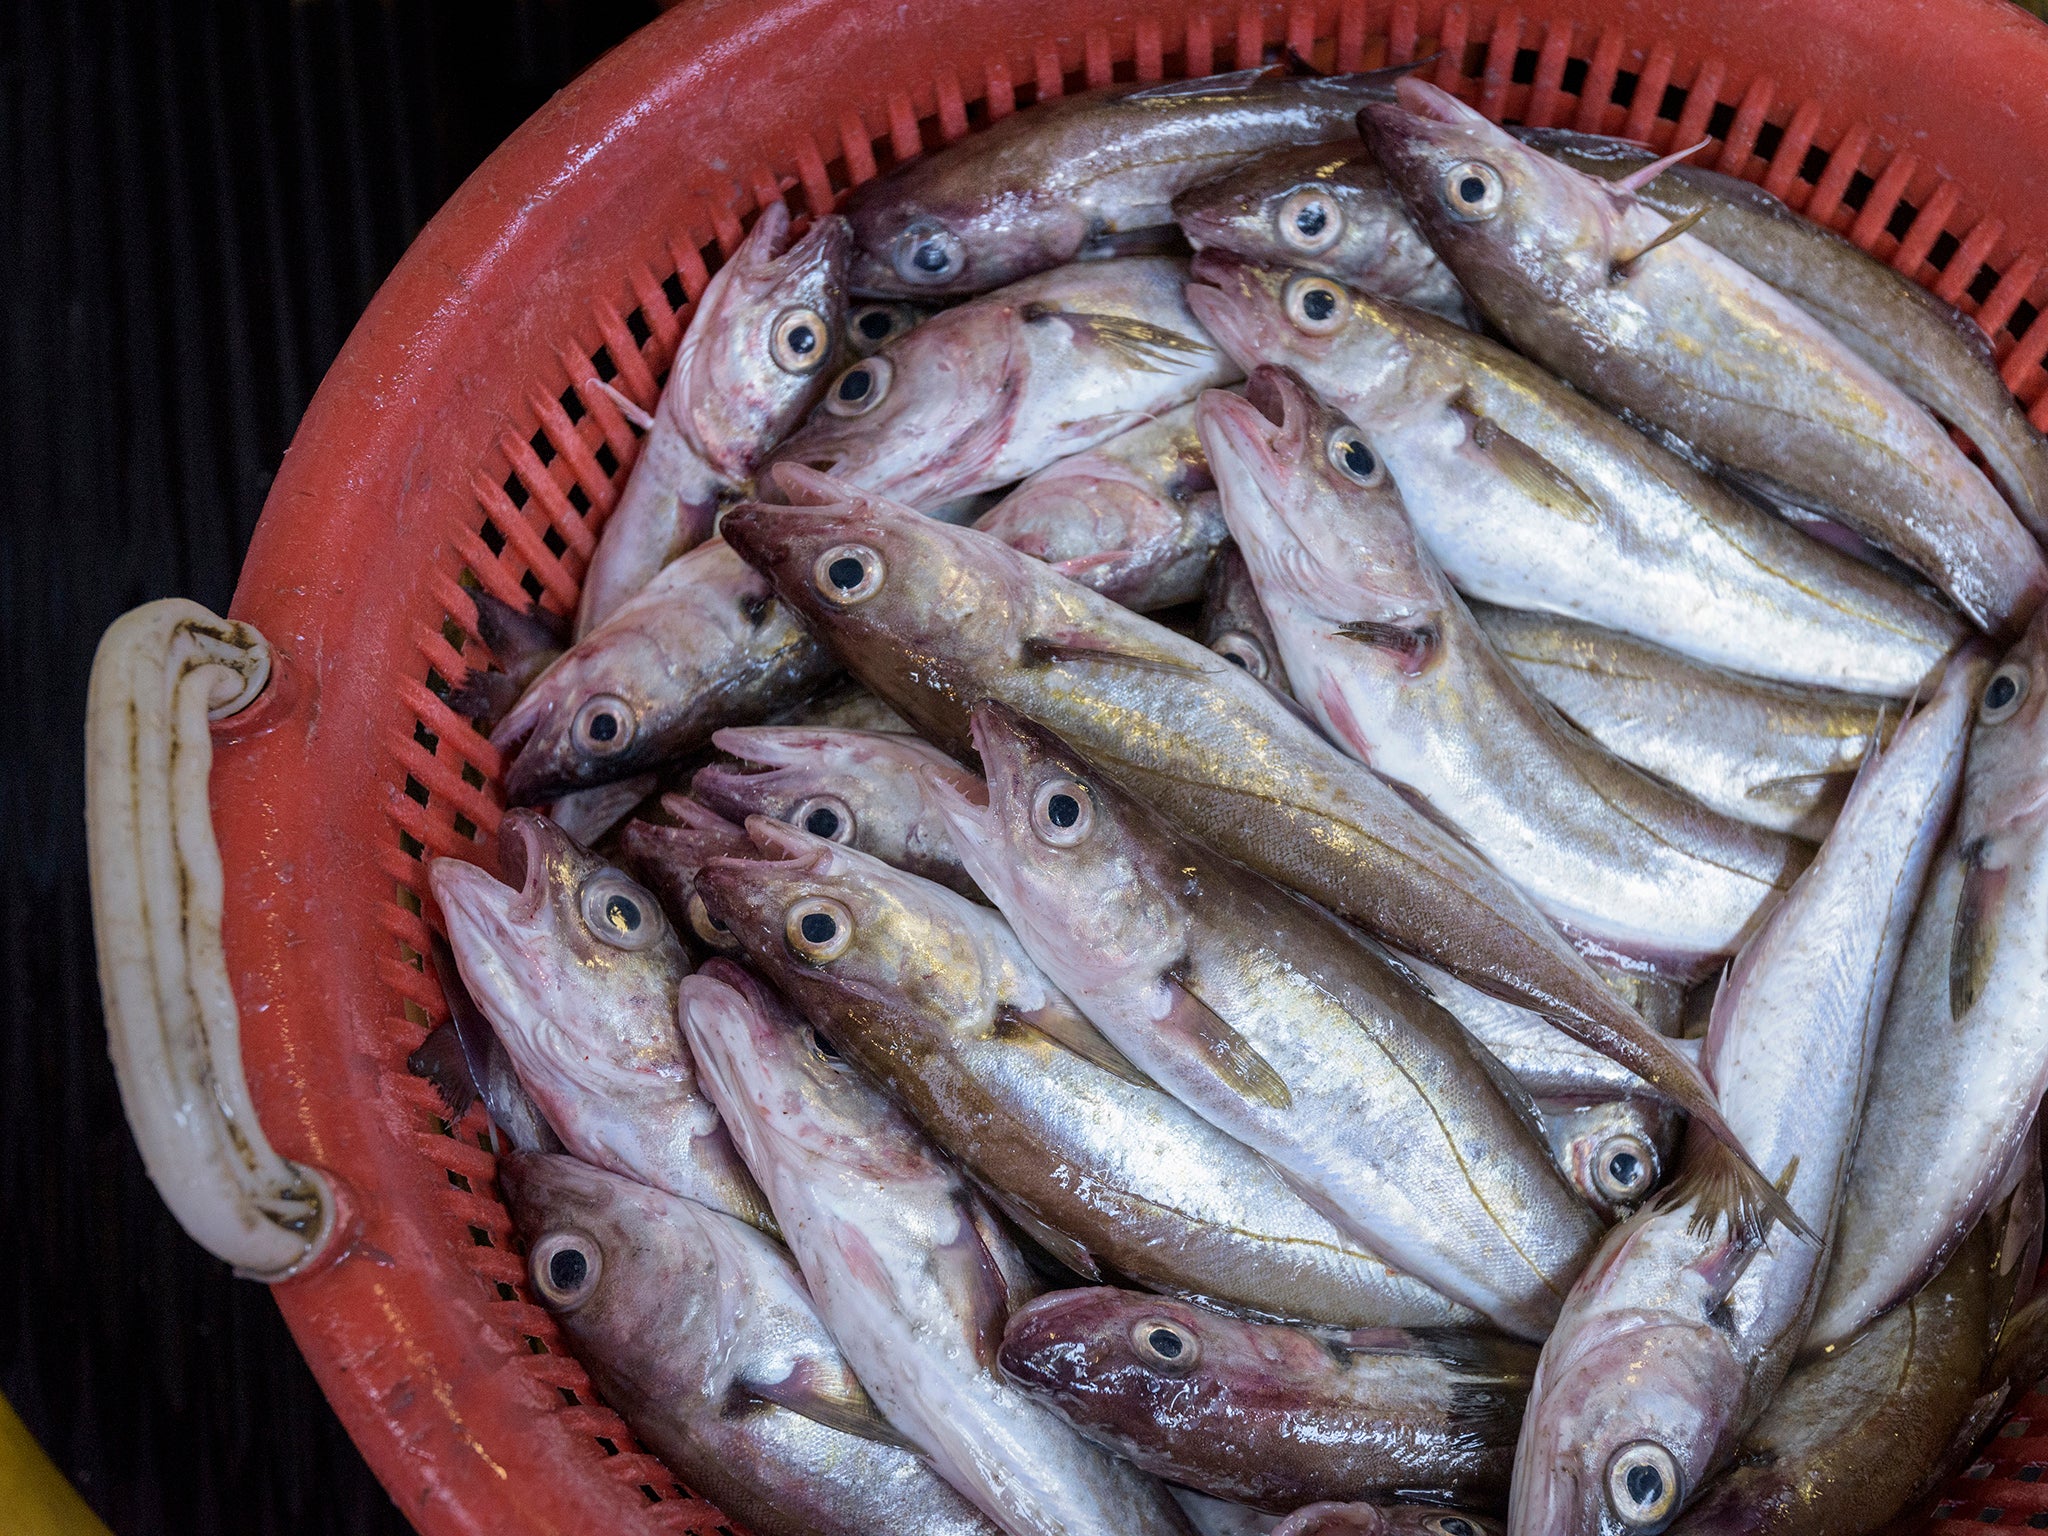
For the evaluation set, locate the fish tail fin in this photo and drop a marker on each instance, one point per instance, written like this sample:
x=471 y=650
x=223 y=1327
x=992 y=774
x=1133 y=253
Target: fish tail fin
x=1721 y=1184
x=441 y=1060
x=484 y=698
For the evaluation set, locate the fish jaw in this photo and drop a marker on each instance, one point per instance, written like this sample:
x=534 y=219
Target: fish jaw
x=990 y=241
x=1243 y=305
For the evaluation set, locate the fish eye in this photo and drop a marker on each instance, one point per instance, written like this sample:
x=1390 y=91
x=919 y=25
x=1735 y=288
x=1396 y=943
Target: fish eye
x=708 y=928
x=1315 y=305
x=818 y=929
x=928 y=253
x=618 y=911
x=825 y=816
x=1624 y=1168
x=1472 y=190
x=603 y=726
x=798 y=341
x=1450 y=1525
x=1240 y=649
x=847 y=574
x=564 y=1268
x=1642 y=1485
x=861 y=388
x=1165 y=1345
x=1309 y=221
x=870 y=325
x=2004 y=693
x=1353 y=460
x=1062 y=812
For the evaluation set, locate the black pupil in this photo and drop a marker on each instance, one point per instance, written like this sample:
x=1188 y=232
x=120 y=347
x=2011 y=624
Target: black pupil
x=1357 y=458
x=823 y=822
x=855 y=385
x=568 y=1268
x=2000 y=693
x=1319 y=304
x=818 y=928
x=1236 y=660
x=1310 y=220
x=1471 y=189
x=802 y=339
x=874 y=324
x=1624 y=1168
x=845 y=574
x=1456 y=1527
x=1645 y=1485
x=623 y=913
x=1063 y=810
x=1165 y=1343
x=603 y=727
x=930 y=257
x=824 y=1047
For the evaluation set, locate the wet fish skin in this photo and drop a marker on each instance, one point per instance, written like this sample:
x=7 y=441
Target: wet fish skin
x=1221 y=1517
x=754 y=359
x=465 y=1061
x=908 y=1268
x=957 y=617
x=1235 y=627
x=1000 y=387
x=703 y=645
x=1079 y=175
x=1563 y=264
x=934 y=999
x=1532 y=496
x=1270 y=1019
x=1392 y=665
x=848 y=707
x=1383 y=1520
x=704 y=1379
x=1681 y=1328
x=1322 y=208
x=589 y=1023
x=1770 y=754
x=1136 y=518
x=1965 y=1051
x=1614 y=1152
x=1269 y=1415
x=1929 y=348
x=665 y=856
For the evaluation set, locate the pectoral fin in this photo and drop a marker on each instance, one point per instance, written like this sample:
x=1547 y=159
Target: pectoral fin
x=1529 y=471
x=1975 y=944
x=1062 y=1247
x=1625 y=264
x=1143 y=345
x=1413 y=646
x=1227 y=1053
x=1074 y=645
x=1064 y=1024
x=831 y=1399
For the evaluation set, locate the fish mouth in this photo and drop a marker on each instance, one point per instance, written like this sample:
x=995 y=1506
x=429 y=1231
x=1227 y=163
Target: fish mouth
x=1223 y=297
x=827 y=243
x=741 y=892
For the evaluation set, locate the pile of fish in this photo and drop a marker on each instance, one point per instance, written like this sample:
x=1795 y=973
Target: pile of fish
x=1276 y=811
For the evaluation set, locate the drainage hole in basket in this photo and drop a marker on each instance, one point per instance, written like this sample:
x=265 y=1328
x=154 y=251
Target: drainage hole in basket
x=480 y=1237
x=459 y=1180
x=648 y=1490
x=610 y=1447
x=569 y=1397
x=542 y=448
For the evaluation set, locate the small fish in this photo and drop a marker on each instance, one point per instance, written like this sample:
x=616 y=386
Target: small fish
x=576 y=969
x=703 y=645
x=1629 y=306
x=1964 y=1057
x=1382 y=1520
x=1391 y=664
x=872 y=325
x=1328 y=209
x=1531 y=496
x=756 y=356
x=698 y=1330
x=997 y=389
x=1770 y=754
x=1273 y=1416
x=1235 y=627
x=666 y=856
x=1612 y=1151
x=1273 y=1022
x=908 y=1267
x=1136 y=519
x=1085 y=175
x=933 y=997
x=859 y=788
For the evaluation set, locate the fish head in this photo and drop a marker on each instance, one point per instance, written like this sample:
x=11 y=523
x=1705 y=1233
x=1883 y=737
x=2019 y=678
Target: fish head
x=1105 y=1356
x=1319 y=327
x=829 y=782
x=2006 y=789
x=936 y=229
x=1417 y=1520
x=666 y=856
x=1613 y=1152
x=1320 y=205
x=761 y=346
x=572 y=961
x=1487 y=202
x=872 y=325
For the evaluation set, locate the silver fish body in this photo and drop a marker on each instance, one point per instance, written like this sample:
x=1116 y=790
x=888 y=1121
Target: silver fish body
x=1531 y=496
x=933 y=997
x=1767 y=753
x=908 y=1268
x=698 y=1330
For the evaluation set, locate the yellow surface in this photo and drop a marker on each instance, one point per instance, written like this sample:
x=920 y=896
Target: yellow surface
x=34 y=1498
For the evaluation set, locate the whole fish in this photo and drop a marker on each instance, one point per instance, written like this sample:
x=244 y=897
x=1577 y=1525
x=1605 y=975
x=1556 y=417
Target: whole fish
x=1765 y=753
x=1682 y=1327
x=697 y=1329
x=1079 y=176
x=1532 y=496
x=909 y=1269
x=576 y=969
x=1393 y=667
x=755 y=357
x=999 y=388
x=703 y=645
x=1625 y=304
x=934 y=618
x=1136 y=518
x=1854 y=1438
x=1269 y=1415
x=871 y=326
x=666 y=856
x=1322 y=208
x=933 y=997
x=1382 y=1520
x=1964 y=1057
x=1235 y=627
x=1929 y=348
x=1612 y=1151
x=1272 y=1021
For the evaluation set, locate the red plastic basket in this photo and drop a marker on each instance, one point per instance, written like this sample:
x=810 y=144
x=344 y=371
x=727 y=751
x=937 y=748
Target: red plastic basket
x=461 y=428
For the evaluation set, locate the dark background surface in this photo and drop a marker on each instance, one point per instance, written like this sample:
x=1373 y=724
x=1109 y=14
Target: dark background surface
x=197 y=198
